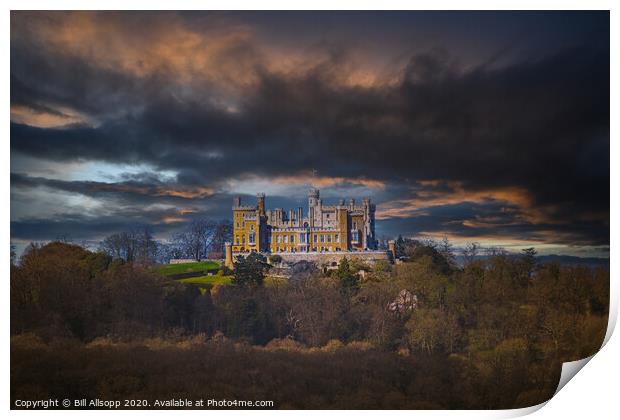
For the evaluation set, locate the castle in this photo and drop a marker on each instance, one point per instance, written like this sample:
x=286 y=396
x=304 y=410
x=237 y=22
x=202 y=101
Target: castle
x=343 y=227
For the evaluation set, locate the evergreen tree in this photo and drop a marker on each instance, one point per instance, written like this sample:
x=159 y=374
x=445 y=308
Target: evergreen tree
x=349 y=282
x=249 y=271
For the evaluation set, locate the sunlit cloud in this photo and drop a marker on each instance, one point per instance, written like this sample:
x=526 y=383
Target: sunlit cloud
x=47 y=117
x=298 y=184
x=434 y=193
x=185 y=110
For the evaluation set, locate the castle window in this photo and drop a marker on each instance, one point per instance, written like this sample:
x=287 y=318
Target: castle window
x=336 y=238
x=322 y=239
x=243 y=239
x=237 y=240
x=285 y=239
x=354 y=225
x=302 y=238
x=251 y=227
x=329 y=239
x=315 y=239
x=292 y=239
x=252 y=238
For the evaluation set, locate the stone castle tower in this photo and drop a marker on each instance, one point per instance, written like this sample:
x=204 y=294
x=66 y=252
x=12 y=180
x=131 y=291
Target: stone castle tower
x=325 y=228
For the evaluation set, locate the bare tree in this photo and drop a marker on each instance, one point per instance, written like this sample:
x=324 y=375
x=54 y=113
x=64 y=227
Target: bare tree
x=146 y=246
x=471 y=251
x=223 y=233
x=496 y=251
x=196 y=240
x=134 y=245
x=120 y=246
x=446 y=249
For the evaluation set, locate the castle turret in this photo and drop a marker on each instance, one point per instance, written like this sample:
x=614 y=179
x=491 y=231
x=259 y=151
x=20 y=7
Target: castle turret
x=313 y=201
x=313 y=197
x=260 y=207
x=228 y=262
x=392 y=248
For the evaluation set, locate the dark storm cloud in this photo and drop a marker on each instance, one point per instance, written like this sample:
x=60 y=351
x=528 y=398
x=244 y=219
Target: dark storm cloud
x=492 y=221
x=539 y=123
x=142 y=189
x=80 y=227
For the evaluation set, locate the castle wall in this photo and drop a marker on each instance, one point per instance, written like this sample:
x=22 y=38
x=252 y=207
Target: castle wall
x=320 y=259
x=325 y=229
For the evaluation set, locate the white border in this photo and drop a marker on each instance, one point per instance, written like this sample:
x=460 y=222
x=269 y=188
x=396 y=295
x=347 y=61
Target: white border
x=592 y=394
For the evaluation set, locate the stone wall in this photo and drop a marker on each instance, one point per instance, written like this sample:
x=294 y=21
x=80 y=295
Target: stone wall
x=183 y=261
x=328 y=258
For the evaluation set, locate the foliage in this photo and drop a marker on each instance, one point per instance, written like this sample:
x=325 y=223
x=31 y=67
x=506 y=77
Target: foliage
x=440 y=253
x=492 y=334
x=349 y=281
x=250 y=270
x=214 y=279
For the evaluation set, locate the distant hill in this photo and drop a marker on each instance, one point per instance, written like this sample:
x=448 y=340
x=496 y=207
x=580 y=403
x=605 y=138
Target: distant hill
x=560 y=259
x=572 y=260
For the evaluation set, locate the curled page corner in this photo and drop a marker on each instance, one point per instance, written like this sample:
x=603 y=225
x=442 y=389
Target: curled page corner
x=521 y=412
x=613 y=314
x=570 y=369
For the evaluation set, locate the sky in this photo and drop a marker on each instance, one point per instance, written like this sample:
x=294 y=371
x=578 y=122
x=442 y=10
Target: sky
x=489 y=127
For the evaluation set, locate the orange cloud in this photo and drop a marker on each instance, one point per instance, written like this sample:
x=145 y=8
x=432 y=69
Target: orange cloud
x=178 y=216
x=326 y=181
x=189 y=193
x=47 y=119
x=157 y=191
x=442 y=193
x=454 y=194
x=219 y=50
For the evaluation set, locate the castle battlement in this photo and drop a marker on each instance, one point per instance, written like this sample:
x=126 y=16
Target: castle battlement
x=324 y=228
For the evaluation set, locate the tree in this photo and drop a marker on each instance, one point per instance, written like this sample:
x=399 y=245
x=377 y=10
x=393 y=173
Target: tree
x=249 y=271
x=135 y=245
x=447 y=250
x=223 y=233
x=399 y=246
x=349 y=282
x=196 y=240
x=146 y=247
x=529 y=260
x=120 y=246
x=471 y=251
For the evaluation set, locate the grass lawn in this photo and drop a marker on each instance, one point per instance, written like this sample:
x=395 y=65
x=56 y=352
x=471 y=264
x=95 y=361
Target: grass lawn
x=274 y=281
x=170 y=269
x=217 y=279
x=214 y=279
